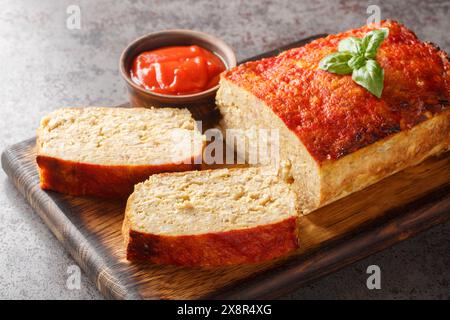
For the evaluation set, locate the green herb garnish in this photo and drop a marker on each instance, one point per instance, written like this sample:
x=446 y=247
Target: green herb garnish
x=357 y=57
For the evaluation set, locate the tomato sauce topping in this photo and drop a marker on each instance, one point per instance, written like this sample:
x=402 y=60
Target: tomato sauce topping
x=331 y=114
x=177 y=70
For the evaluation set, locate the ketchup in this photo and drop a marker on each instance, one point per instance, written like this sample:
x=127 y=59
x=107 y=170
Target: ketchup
x=177 y=70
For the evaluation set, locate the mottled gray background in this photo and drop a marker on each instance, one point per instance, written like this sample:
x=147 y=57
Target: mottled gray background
x=43 y=66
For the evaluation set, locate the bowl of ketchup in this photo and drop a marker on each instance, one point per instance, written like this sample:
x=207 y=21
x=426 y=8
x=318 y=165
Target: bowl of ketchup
x=175 y=68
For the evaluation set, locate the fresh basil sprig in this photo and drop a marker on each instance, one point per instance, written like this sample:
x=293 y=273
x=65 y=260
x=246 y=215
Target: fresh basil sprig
x=357 y=57
x=337 y=63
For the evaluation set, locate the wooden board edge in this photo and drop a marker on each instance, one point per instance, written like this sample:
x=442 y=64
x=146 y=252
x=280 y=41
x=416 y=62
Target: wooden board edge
x=342 y=253
x=110 y=285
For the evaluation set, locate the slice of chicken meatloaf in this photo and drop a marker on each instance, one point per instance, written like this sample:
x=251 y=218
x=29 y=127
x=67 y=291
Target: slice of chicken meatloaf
x=104 y=152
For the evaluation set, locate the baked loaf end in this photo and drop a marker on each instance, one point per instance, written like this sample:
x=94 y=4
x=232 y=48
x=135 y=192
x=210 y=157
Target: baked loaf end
x=211 y=218
x=103 y=152
x=337 y=136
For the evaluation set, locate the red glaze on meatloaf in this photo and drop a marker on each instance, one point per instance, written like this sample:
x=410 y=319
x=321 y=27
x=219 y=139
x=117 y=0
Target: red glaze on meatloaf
x=80 y=179
x=242 y=246
x=331 y=114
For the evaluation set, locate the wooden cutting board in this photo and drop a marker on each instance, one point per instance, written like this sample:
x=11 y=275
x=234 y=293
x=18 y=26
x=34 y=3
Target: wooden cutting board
x=332 y=237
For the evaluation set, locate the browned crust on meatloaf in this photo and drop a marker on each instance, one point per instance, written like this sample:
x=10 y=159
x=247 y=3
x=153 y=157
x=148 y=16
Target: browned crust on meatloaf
x=331 y=114
x=213 y=249
x=107 y=181
x=407 y=148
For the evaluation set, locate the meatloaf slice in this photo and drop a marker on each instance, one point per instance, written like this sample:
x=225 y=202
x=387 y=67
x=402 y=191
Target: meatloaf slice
x=211 y=218
x=104 y=152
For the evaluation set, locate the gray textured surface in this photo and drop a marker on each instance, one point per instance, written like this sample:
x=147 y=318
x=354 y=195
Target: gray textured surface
x=44 y=65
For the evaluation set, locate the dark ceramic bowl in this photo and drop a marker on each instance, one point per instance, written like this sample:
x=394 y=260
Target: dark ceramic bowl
x=140 y=97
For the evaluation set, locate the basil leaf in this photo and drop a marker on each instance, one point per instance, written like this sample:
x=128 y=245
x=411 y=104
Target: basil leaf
x=373 y=40
x=336 y=63
x=370 y=77
x=352 y=45
x=357 y=56
x=356 y=62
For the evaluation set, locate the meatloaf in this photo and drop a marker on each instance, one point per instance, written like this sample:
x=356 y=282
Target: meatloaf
x=337 y=137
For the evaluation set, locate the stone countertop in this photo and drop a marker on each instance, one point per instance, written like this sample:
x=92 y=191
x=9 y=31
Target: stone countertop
x=45 y=65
